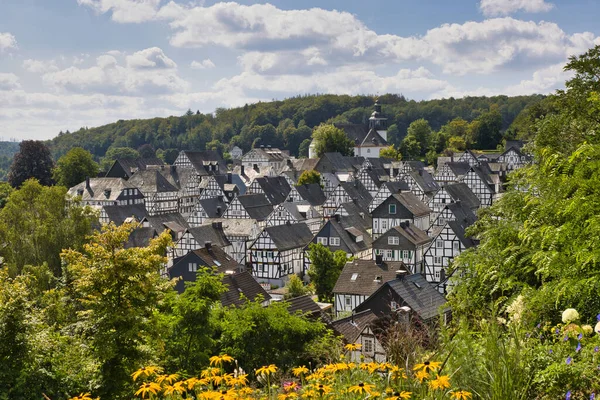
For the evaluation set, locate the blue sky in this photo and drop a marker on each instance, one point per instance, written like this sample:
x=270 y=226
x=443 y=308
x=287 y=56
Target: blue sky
x=65 y=64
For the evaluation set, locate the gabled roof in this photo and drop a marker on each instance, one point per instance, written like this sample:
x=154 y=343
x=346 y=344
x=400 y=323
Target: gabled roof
x=358 y=193
x=459 y=168
x=484 y=174
x=348 y=229
x=271 y=153
x=378 y=176
x=313 y=193
x=234 y=226
x=410 y=232
x=461 y=192
x=179 y=177
x=215 y=256
x=131 y=165
x=351 y=327
x=292 y=208
x=365 y=274
x=140 y=237
x=303 y=305
x=275 y=188
x=214 y=207
x=151 y=181
x=462 y=212
x=118 y=214
x=353 y=215
x=355 y=132
x=425 y=181
x=410 y=202
x=418 y=294
x=373 y=139
x=459 y=229
x=100 y=187
x=242 y=287
x=257 y=206
x=414 y=165
x=201 y=158
x=379 y=163
x=209 y=233
x=290 y=236
x=396 y=186
x=173 y=221
x=515 y=144
x=336 y=162
x=228 y=181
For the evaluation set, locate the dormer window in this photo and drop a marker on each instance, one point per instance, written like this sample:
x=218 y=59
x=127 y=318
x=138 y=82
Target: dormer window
x=107 y=193
x=392 y=209
x=79 y=192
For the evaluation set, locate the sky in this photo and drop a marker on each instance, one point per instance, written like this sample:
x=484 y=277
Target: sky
x=67 y=64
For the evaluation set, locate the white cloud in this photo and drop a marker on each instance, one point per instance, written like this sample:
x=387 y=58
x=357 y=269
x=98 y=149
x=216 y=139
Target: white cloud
x=204 y=64
x=108 y=77
x=7 y=41
x=38 y=66
x=152 y=58
x=134 y=11
x=506 y=7
x=9 y=81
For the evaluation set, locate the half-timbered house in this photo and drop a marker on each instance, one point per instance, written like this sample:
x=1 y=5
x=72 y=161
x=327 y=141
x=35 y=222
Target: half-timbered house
x=411 y=166
x=275 y=188
x=359 y=329
x=201 y=236
x=400 y=207
x=344 y=193
x=481 y=183
x=453 y=212
x=451 y=172
x=386 y=190
x=205 y=163
x=313 y=194
x=212 y=207
x=359 y=279
x=174 y=223
x=278 y=252
x=126 y=167
x=513 y=156
x=451 y=194
x=187 y=181
x=295 y=213
x=241 y=233
x=404 y=242
x=98 y=192
x=261 y=158
x=250 y=206
x=421 y=183
x=372 y=179
x=469 y=157
x=161 y=197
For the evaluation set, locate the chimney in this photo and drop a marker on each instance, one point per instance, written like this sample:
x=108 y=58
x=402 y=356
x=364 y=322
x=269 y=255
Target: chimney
x=208 y=245
x=288 y=222
x=87 y=183
x=379 y=259
x=229 y=177
x=242 y=170
x=289 y=162
x=403 y=225
x=219 y=210
x=407 y=223
x=217 y=225
x=337 y=217
x=220 y=198
x=400 y=274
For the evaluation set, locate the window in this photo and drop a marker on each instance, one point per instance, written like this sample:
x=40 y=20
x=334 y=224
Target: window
x=439 y=244
x=389 y=254
x=368 y=150
x=437 y=260
x=334 y=241
x=437 y=274
x=384 y=225
x=392 y=209
x=348 y=303
x=405 y=254
x=368 y=345
x=193 y=267
x=354 y=277
x=393 y=305
x=322 y=240
x=393 y=240
x=456 y=246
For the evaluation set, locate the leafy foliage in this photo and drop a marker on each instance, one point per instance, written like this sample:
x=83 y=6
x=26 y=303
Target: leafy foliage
x=329 y=139
x=74 y=167
x=309 y=176
x=325 y=269
x=32 y=161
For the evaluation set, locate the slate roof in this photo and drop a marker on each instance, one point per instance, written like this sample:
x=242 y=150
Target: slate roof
x=214 y=207
x=355 y=132
x=151 y=181
x=118 y=214
x=225 y=182
x=303 y=305
x=173 y=221
x=179 y=177
x=99 y=187
x=276 y=188
x=273 y=154
x=418 y=294
x=234 y=226
x=358 y=193
x=351 y=327
x=459 y=228
x=290 y=236
x=484 y=173
x=396 y=186
x=292 y=208
x=242 y=287
x=336 y=163
x=257 y=206
x=414 y=165
x=355 y=216
x=412 y=203
x=410 y=232
x=201 y=158
x=313 y=193
x=131 y=165
x=373 y=139
x=515 y=144
x=140 y=237
x=347 y=229
x=366 y=271
x=209 y=233
x=462 y=212
x=461 y=192
x=459 y=168
x=425 y=181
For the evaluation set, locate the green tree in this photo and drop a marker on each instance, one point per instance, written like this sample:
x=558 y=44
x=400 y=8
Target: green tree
x=486 y=132
x=257 y=335
x=188 y=340
x=308 y=177
x=32 y=161
x=168 y=156
x=329 y=139
x=117 y=152
x=118 y=291
x=391 y=153
x=38 y=222
x=303 y=150
x=457 y=143
x=410 y=148
x=5 y=191
x=146 y=151
x=325 y=269
x=74 y=167
x=295 y=287
x=421 y=132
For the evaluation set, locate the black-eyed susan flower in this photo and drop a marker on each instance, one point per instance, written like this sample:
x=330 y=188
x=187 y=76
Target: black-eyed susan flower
x=166 y=378
x=428 y=366
x=421 y=375
x=401 y=395
x=146 y=371
x=176 y=388
x=267 y=370
x=82 y=396
x=352 y=346
x=461 y=395
x=219 y=360
x=441 y=382
x=299 y=370
x=147 y=389
x=361 y=388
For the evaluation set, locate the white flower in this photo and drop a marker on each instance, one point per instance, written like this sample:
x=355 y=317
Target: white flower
x=587 y=329
x=570 y=315
x=516 y=309
x=597 y=328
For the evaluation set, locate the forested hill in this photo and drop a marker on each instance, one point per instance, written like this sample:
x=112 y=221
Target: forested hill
x=284 y=124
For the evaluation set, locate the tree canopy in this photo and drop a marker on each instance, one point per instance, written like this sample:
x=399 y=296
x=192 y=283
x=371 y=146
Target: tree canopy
x=74 y=167
x=307 y=177
x=329 y=139
x=325 y=269
x=32 y=161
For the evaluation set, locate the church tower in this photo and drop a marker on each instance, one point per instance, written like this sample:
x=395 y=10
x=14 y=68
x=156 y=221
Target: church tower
x=377 y=121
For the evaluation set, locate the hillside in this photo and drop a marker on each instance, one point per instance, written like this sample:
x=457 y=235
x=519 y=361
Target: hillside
x=7 y=152
x=285 y=124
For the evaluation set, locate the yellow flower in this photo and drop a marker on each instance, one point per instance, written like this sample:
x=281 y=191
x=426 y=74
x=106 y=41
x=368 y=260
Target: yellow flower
x=240 y=380
x=208 y=372
x=218 y=360
x=352 y=346
x=361 y=388
x=209 y=395
x=441 y=382
x=82 y=396
x=422 y=375
x=191 y=383
x=268 y=370
x=397 y=372
x=177 y=388
x=287 y=396
x=405 y=395
x=147 y=389
x=461 y=395
x=166 y=378
x=428 y=366
x=324 y=389
x=146 y=371
x=299 y=370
